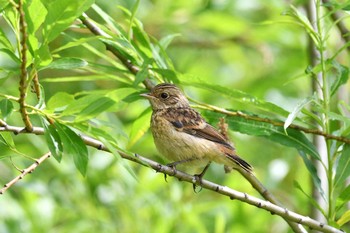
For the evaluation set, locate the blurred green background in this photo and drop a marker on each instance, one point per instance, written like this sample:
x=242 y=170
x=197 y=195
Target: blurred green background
x=244 y=45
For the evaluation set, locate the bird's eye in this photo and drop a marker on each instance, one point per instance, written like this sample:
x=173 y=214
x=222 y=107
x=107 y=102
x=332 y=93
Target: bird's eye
x=164 y=95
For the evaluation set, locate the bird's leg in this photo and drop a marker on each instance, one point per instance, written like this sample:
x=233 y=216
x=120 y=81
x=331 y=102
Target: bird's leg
x=174 y=164
x=198 y=178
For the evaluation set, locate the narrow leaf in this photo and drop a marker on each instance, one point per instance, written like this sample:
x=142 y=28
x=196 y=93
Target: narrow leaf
x=341 y=77
x=165 y=41
x=312 y=200
x=66 y=64
x=6 y=107
x=343 y=166
x=62 y=14
x=95 y=108
x=139 y=127
x=53 y=141
x=59 y=101
x=73 y=146
x=343 y=198
x=344 y=218
x=296 y=111
x=6 y=139
x=33 y=18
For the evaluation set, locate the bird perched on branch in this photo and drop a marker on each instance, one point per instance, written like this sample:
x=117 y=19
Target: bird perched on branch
x=182 y=135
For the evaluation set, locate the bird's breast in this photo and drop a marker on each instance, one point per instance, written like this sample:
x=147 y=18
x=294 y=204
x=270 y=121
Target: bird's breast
x=177 y=145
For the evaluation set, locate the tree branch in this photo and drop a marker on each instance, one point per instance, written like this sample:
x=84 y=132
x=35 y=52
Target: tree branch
x=127 y=63
x=26 y=171
x=288 y=215
x=23 y=76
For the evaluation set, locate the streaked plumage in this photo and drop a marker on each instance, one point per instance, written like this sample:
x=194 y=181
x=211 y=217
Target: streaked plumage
x=180 y=133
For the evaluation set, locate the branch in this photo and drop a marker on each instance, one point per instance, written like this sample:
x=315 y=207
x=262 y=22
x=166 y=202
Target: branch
x=26 y=171
x=232 y=194
x=127 y=63
x=23 y=69
x=269 y=121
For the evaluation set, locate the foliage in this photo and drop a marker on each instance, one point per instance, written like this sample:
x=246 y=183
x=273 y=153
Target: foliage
x=208 y=48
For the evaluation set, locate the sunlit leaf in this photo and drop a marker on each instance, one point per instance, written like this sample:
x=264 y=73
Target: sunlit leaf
x=344 y=218
x=59 y=101
x=62 y=14
x=139 y=127
x=34 y=19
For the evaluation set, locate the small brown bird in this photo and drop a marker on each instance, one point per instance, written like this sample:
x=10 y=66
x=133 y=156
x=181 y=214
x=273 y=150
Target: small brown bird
x=182 y=135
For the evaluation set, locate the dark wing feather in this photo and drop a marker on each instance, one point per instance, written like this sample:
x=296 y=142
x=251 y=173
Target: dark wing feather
x=189 y=121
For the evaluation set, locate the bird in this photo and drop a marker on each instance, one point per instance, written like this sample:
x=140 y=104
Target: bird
x=183 y=136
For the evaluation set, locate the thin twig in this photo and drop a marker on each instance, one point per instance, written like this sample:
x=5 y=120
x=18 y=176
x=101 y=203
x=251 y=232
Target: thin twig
x=127 y=63
x=233 y=194
x=24 y=172
x=23 y=69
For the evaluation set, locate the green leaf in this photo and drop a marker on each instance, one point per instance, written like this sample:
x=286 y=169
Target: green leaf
x=79 y=104
x=343 y=166
x=5 y=41
x=313 y=172
x=62 y=14
x=67 y=63
x=95 y=108
x=43 y=56
x=139 y=127
x=53 y=141
x=59 y=101
x=73 y=146
x=11 y=55
x=343 y=198
x=34 y=19
x=168 y=75
x=344 y=218
x=6 y=107
x=296 y=110
x=6 y=139
x=77 y=42
x=165 y=41
x=341 y=77
x=311 y=199
x=3 y=4
x=143 y=73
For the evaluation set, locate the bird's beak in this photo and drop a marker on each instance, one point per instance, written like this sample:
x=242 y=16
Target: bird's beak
x=146 y=95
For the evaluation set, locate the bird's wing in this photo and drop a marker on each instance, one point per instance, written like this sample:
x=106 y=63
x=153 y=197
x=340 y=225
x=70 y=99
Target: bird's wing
x=189 y=121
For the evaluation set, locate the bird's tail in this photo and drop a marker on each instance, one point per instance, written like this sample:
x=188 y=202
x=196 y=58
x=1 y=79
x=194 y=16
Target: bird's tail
x=240 y=162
